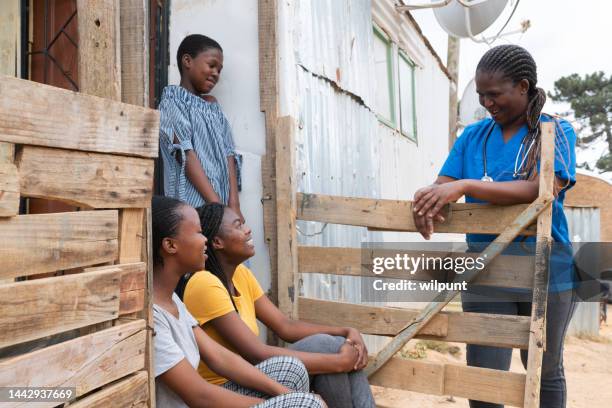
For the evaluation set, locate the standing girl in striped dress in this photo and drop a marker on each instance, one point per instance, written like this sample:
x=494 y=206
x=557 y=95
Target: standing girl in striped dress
x=200 y=163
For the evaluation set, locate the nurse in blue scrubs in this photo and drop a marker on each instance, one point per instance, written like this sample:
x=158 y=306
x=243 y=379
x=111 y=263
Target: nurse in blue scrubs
x=496 y=161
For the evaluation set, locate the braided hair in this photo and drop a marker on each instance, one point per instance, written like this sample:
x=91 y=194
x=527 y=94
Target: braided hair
x=516 y=63
x=166 y=217
x=193 y=45
x=211 y=217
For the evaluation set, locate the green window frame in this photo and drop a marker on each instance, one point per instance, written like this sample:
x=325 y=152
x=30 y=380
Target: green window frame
x=391 y=121
x=411 y=132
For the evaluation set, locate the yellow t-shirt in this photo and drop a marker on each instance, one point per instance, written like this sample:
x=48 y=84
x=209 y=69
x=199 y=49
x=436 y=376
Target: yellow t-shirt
x=206 y=298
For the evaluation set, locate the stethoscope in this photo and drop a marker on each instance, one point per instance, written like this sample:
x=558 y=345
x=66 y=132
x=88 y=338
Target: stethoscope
x=517 y=166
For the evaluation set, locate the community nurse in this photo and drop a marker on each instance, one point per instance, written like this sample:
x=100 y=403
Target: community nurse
x=496 y=161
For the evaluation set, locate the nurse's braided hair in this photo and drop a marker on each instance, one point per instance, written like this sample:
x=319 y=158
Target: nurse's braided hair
x=211 y=217
x=515 y=63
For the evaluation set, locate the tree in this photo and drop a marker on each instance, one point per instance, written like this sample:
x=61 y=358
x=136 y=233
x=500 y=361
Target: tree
x=591 y=100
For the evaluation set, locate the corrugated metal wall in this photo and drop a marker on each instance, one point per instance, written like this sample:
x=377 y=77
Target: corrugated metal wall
x=584 y=226
x=327 y=83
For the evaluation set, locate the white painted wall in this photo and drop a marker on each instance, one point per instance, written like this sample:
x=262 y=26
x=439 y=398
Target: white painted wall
x=233 y=23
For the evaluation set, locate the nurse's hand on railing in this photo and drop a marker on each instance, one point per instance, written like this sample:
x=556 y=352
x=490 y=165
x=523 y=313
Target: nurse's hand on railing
x=429 y=201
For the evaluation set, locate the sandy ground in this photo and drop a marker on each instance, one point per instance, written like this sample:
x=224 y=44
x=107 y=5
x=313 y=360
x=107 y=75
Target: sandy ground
x=588 y=371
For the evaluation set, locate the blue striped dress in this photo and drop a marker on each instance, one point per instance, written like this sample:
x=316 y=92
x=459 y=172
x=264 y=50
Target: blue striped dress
x=200 y=126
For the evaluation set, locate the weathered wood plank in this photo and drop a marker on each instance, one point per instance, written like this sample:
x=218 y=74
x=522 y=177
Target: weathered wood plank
x=43 y=115
x=394 y=215
x=130 y=234
x=86 y=362
x=287 y=243
x=133 y=275
x=131 y=392
x=39 y=243
x=134 y=52
x=506 y=271
x=99 y=50
x=93 y=180
x=10 y=34
x=483 y=384
x=471 y=328
x=9 y=182
x=131 y=301
x=43 y=307
x=537 y=338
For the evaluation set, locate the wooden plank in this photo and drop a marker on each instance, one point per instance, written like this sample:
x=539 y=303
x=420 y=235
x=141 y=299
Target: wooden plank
x=99 y=50
x=506 y=271
x=131 y=392
x=43 y=307
x=43 y=115
x=9 y=181
x=410 y=375
x=39 y=243
x=133 y=275
x=147 y=256
x=130 y=235
x=131 y=301
x=471 y=328
x=10 y=34
x=287 y=244
x=493 y=250
x=395 y=215
x=91 y=180
x=537 y=338
x=483 y=384
x=86 y=362
x=267 y=17
x=134 y=52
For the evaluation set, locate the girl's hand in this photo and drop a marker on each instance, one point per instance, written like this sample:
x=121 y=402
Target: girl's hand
x=348 y=357
x=354 y=338
x=428 y=202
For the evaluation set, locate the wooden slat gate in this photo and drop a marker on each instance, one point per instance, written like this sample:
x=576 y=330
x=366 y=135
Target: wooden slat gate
x=523 y=332
x=85 y=328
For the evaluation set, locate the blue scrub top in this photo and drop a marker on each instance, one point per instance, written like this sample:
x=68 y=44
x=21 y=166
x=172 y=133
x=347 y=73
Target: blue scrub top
x=465 y=161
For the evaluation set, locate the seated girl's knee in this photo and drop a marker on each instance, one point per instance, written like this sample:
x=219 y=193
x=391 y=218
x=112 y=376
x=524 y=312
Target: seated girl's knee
x=325 y=343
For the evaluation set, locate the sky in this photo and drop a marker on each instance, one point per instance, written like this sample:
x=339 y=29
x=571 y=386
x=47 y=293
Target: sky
x=565 y=37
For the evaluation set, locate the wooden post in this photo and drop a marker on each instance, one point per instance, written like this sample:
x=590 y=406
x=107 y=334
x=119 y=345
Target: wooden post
x=134 y=52
x=537 y=336
x=286 y=218
x=99 y=51
x=268 y=88
x=452 y=64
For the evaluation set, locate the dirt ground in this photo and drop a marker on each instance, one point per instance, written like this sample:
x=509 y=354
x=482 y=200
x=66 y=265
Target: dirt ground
x=588 y=371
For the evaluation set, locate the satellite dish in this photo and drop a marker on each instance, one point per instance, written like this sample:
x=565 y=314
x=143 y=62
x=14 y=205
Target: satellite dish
x=454 y=18
x=470 y=109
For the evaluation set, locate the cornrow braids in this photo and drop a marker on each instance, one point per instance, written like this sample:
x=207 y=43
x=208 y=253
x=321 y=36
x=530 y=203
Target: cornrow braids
x=516 y=63
x=211 y=217
x=166 y=218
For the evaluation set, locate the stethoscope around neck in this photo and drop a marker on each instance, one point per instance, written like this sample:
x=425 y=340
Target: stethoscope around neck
x=517 y=166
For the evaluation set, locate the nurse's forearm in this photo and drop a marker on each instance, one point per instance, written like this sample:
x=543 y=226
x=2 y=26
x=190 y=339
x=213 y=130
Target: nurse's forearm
x=502 y=192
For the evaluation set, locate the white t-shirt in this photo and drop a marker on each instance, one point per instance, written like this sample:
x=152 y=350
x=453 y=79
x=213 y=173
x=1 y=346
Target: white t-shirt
x=173 y=341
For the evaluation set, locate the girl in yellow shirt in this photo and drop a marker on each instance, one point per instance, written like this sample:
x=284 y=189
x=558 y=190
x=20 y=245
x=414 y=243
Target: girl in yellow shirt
x=227 y=301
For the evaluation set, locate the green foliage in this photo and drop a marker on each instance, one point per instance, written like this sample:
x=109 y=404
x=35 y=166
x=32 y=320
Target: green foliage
x=590 y=97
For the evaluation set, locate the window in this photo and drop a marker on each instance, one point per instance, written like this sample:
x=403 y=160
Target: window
x=406 y=97
x=395 y=102
x=384 y=77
